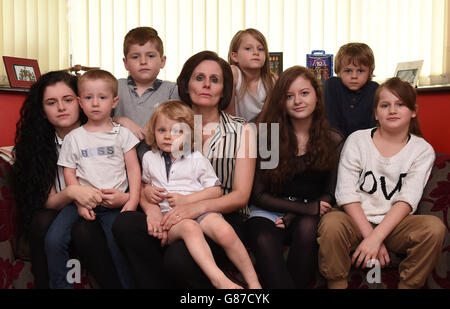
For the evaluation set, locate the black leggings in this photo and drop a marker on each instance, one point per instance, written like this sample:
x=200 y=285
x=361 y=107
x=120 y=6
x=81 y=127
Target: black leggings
x=267 y=243
x=154 y=266
x=38 y=229
x=143 y=252
x=90 y=243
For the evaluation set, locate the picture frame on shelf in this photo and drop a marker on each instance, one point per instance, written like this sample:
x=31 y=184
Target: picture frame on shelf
x=409 y=71
x=276 y=62
x=21 y=72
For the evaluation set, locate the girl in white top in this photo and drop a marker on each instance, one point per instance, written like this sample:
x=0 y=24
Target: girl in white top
x=381 y=177
x=249 y=59
x=188 y=177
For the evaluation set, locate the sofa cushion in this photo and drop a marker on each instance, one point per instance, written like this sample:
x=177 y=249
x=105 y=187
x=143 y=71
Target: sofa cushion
x=436 y=201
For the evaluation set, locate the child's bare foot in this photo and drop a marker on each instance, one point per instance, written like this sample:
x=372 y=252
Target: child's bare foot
x=226 y=283
x=254 y=285
x=235 y=286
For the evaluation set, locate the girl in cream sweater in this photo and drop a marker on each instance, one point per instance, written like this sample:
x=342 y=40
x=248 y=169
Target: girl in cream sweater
x=381 y=176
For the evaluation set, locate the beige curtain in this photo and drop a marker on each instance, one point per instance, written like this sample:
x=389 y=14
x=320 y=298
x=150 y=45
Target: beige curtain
x=35 y=29
x=90 y=32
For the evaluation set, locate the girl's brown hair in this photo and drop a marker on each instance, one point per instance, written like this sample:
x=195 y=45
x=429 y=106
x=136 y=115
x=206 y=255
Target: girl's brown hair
x=407 y=94
x=321 y=148
x=267 y=76
x=175 y=110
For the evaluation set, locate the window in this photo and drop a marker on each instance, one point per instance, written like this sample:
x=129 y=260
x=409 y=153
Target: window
x=36 y=30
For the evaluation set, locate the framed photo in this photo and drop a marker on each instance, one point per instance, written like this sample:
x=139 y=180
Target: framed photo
x=22 y=72
x=276 y=62
x=409 y=71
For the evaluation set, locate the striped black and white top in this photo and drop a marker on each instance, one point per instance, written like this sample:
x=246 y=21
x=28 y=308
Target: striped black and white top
x=223 y=148
x=60 y=183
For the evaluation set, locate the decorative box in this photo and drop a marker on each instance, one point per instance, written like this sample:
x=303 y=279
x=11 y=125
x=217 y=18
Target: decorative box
x=321 y=64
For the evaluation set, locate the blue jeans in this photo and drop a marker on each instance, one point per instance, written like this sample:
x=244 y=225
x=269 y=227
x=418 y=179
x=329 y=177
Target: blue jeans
x=58 y=239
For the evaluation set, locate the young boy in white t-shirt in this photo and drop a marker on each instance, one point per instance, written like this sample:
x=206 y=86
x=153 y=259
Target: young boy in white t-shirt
x=100 y=154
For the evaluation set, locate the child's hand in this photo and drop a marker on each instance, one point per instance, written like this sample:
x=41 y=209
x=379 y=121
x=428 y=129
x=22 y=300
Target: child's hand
x=285 y=221
x=113 y=198
x=139 y=133
x=383 y=256
x=153 y=194
x=129 y=206
x=86 y=196
x=176 y=199
x=324 y=207
x=367 y=250
x=279 y=223
x=86 y=213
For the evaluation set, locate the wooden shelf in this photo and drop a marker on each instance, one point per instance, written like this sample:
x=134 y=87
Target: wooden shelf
x=9 y=89
x=434 y=88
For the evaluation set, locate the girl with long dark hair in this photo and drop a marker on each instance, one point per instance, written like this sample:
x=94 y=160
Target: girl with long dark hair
x=49 y=113
x=288 y=200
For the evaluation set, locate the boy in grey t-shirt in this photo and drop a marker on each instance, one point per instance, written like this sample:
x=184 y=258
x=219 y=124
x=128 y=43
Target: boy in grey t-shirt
x=142 y=91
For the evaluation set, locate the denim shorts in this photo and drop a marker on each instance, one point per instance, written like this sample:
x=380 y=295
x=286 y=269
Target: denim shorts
x=258 y=212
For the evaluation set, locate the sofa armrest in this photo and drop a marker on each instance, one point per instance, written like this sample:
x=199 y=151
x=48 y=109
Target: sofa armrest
x=436 y=202
x=8 y=226
x=436 y=195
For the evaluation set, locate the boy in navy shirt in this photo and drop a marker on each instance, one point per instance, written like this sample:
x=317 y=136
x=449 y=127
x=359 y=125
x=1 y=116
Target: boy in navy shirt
x=349 y=96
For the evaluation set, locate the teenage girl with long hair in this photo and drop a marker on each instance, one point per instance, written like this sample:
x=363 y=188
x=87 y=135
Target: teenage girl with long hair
x=287 y=201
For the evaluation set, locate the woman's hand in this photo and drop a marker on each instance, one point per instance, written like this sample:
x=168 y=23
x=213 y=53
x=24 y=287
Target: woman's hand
x=153 y=194
x=113 y=198
x=85 y=196
x=286 y=220
x=177 y=214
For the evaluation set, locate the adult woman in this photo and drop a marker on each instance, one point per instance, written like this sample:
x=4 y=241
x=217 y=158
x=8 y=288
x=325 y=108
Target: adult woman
x=205 y=83
x=48 y=114
x=287 y=201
